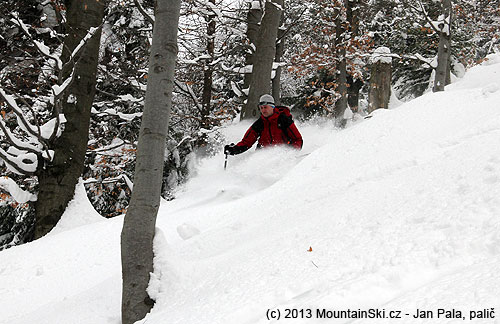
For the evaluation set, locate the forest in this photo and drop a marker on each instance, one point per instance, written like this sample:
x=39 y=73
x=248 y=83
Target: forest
x=74 y=74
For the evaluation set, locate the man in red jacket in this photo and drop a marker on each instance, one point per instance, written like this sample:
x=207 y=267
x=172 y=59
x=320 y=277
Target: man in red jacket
x=274 y=127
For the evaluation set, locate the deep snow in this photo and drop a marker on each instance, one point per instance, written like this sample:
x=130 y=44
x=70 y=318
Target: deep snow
x=397 y=212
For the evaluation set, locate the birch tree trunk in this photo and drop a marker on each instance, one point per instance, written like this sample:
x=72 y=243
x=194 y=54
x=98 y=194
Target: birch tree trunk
x=442 y=70
x=57 y=180
x=139 y=224
x=263 y=57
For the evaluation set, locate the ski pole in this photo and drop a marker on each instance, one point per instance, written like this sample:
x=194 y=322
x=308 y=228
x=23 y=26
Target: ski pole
x=225 y=162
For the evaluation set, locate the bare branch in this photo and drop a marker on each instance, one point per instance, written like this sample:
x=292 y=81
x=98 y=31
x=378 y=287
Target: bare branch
x=143 y=12
x=296 y=22
x=186 y=89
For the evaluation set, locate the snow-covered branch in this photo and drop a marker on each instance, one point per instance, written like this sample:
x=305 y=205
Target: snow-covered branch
x=442 y=25
x=429 y=62
x=17 y=143
x=41 y=47
x=19 y=195
x=39 y=134
x=19 y=162
x=81 y=45
x=20 y=150
x=22 y=121
x=113 y=112
x=114 y=145
x=49 y=133
x=121 y=177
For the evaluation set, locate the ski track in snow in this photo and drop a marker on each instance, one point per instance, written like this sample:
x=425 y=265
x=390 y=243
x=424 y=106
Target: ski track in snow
x=400 y=211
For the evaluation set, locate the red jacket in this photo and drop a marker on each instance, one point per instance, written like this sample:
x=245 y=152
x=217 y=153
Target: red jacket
x=276 y=129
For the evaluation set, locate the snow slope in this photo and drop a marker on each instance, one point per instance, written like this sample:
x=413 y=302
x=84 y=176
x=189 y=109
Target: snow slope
x=398 y=212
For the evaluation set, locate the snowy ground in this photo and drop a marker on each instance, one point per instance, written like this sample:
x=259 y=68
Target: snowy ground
x=397 y=213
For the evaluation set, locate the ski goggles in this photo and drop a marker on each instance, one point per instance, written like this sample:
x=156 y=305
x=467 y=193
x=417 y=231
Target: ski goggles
x=265 y=103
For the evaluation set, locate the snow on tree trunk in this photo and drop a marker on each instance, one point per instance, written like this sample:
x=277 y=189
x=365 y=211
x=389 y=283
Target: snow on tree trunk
x=139 y=224
x=263 y=58
x=253 y=19
x=442 y=70
x=280 y=46
x=379 y=92
x=57 y=180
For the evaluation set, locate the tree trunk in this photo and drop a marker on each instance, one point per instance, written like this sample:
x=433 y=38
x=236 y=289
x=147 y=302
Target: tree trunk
x=57 y=181
x=353 y=12
x=341 y=103
x=379 y=92
x=253 y=19
x=442 y=70
x=208 y=70
x=341 y=77
x=263 y=58
x=355 y=86
x=280 y=46
x=139 y=224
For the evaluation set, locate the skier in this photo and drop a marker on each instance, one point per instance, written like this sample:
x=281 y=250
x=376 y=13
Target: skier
x=274 y=127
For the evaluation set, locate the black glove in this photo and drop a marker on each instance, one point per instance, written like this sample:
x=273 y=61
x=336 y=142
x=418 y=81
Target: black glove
x=230 y=149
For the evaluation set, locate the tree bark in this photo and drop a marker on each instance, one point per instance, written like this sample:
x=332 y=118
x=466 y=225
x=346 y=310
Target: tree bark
x=253 y=19
x=208 y=70
x=263 y=58
x=442 y=70
x=355 y=86
x=280 y=46
x=341 y=77
x=353 y=12
x=139 y=224
x=57 y=180
x=379 y=92
x=341 y=103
